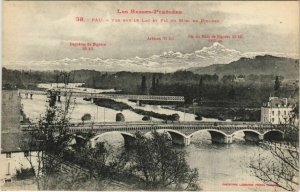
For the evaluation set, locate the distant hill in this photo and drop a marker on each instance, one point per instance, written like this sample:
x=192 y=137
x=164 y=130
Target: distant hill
x=259 y=65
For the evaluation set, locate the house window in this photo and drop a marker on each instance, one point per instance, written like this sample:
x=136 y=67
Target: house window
x=284 y=112
x=272 y=119
x=273 y=113
x=7 y=180
x=26 y=153
x=278 y=112
x=8 y=155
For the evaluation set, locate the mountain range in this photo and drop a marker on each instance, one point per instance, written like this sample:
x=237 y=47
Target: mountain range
x=168 y=61
x=259 y=65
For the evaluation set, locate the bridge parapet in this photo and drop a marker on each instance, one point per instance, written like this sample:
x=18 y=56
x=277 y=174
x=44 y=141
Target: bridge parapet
x=226 y=127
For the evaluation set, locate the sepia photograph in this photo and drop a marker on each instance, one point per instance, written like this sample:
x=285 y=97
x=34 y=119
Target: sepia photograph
x=150 y=96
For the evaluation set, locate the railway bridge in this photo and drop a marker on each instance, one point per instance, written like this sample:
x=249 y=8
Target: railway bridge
x=61 y=93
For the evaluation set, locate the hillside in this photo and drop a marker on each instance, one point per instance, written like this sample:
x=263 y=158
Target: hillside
x=260 y=65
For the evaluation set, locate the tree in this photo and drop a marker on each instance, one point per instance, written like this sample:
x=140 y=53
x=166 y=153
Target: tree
x=86 y=117
x=46 y=143
x=146 y=118
x=57 y=75
x=231 y=93
x=153 y=87
x=174 y=117
x=143 y=85
x=200 y=89
x=159 y=165
x=157 y=84
x=198 y=116
x=278 y=163
x=228 y=78
x=215 y=77
x=276 y=85
x=293 y=116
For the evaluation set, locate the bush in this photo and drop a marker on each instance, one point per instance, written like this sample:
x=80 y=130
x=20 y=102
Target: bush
x=146 y=118
x=198 y=117
x=24 y=173
x=159 y=166
x=120 y=117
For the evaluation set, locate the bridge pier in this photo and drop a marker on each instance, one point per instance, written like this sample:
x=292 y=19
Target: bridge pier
x=139 y=103
x=228 y=139
x=217 y=137
x=187 y=141
x=179 y=139
x=31 y=95
x=252 y=137
x=183 y=141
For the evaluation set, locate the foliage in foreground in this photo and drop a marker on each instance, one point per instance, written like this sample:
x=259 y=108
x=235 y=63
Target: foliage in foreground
x=47 y=142
x=151 y=160
x=278 y=163
x=159 y=165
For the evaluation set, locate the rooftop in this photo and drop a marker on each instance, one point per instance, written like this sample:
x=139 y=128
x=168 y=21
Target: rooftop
x=13 y=142
x=11 y=107
x=275 y=102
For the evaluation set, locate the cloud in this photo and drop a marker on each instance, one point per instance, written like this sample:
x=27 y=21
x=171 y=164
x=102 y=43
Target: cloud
x=168 y=61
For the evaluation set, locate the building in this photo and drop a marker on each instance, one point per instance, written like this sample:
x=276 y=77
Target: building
x=12 y=157
x=10 y=111
x=239 y=79
x=277 y=110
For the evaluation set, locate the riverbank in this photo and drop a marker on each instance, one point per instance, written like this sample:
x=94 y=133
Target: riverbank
x=112 y=104
x=120 y=106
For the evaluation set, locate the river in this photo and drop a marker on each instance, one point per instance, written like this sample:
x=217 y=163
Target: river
x=218 y=165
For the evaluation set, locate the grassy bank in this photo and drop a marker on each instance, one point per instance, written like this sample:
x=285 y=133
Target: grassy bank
x=119 y=106
x=221 y=113
x=109 y=103
x=173 y=117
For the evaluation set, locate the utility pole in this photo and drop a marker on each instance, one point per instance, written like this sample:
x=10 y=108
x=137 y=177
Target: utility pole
x=183 y=112
x=97 y=114
x=194 y=105
x=104 y=114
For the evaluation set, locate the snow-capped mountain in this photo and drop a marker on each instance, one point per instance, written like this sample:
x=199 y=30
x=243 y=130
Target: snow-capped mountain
x=167 y=61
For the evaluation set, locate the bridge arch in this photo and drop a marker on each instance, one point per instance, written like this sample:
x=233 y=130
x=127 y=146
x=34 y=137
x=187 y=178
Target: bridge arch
x=273 y=134
x=250 y=135
x=217 y=136
x=250 y=130
x=208 y=130
x=128 y=137
x=176 y=136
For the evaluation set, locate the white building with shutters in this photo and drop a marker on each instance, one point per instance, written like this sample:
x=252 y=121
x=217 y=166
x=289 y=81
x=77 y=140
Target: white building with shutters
x=277 y=110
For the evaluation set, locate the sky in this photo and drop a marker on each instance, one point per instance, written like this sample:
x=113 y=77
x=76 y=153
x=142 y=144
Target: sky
x=43 y=31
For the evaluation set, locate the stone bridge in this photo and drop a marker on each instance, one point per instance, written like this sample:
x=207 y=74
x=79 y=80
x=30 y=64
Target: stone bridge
x=182 y=132
x=30 y=94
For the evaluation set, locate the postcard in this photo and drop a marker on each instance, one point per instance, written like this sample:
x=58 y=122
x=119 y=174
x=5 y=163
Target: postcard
x=150 y=95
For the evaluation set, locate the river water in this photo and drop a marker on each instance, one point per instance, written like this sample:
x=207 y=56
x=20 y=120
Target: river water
x=222 y=167
x=218 y=164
